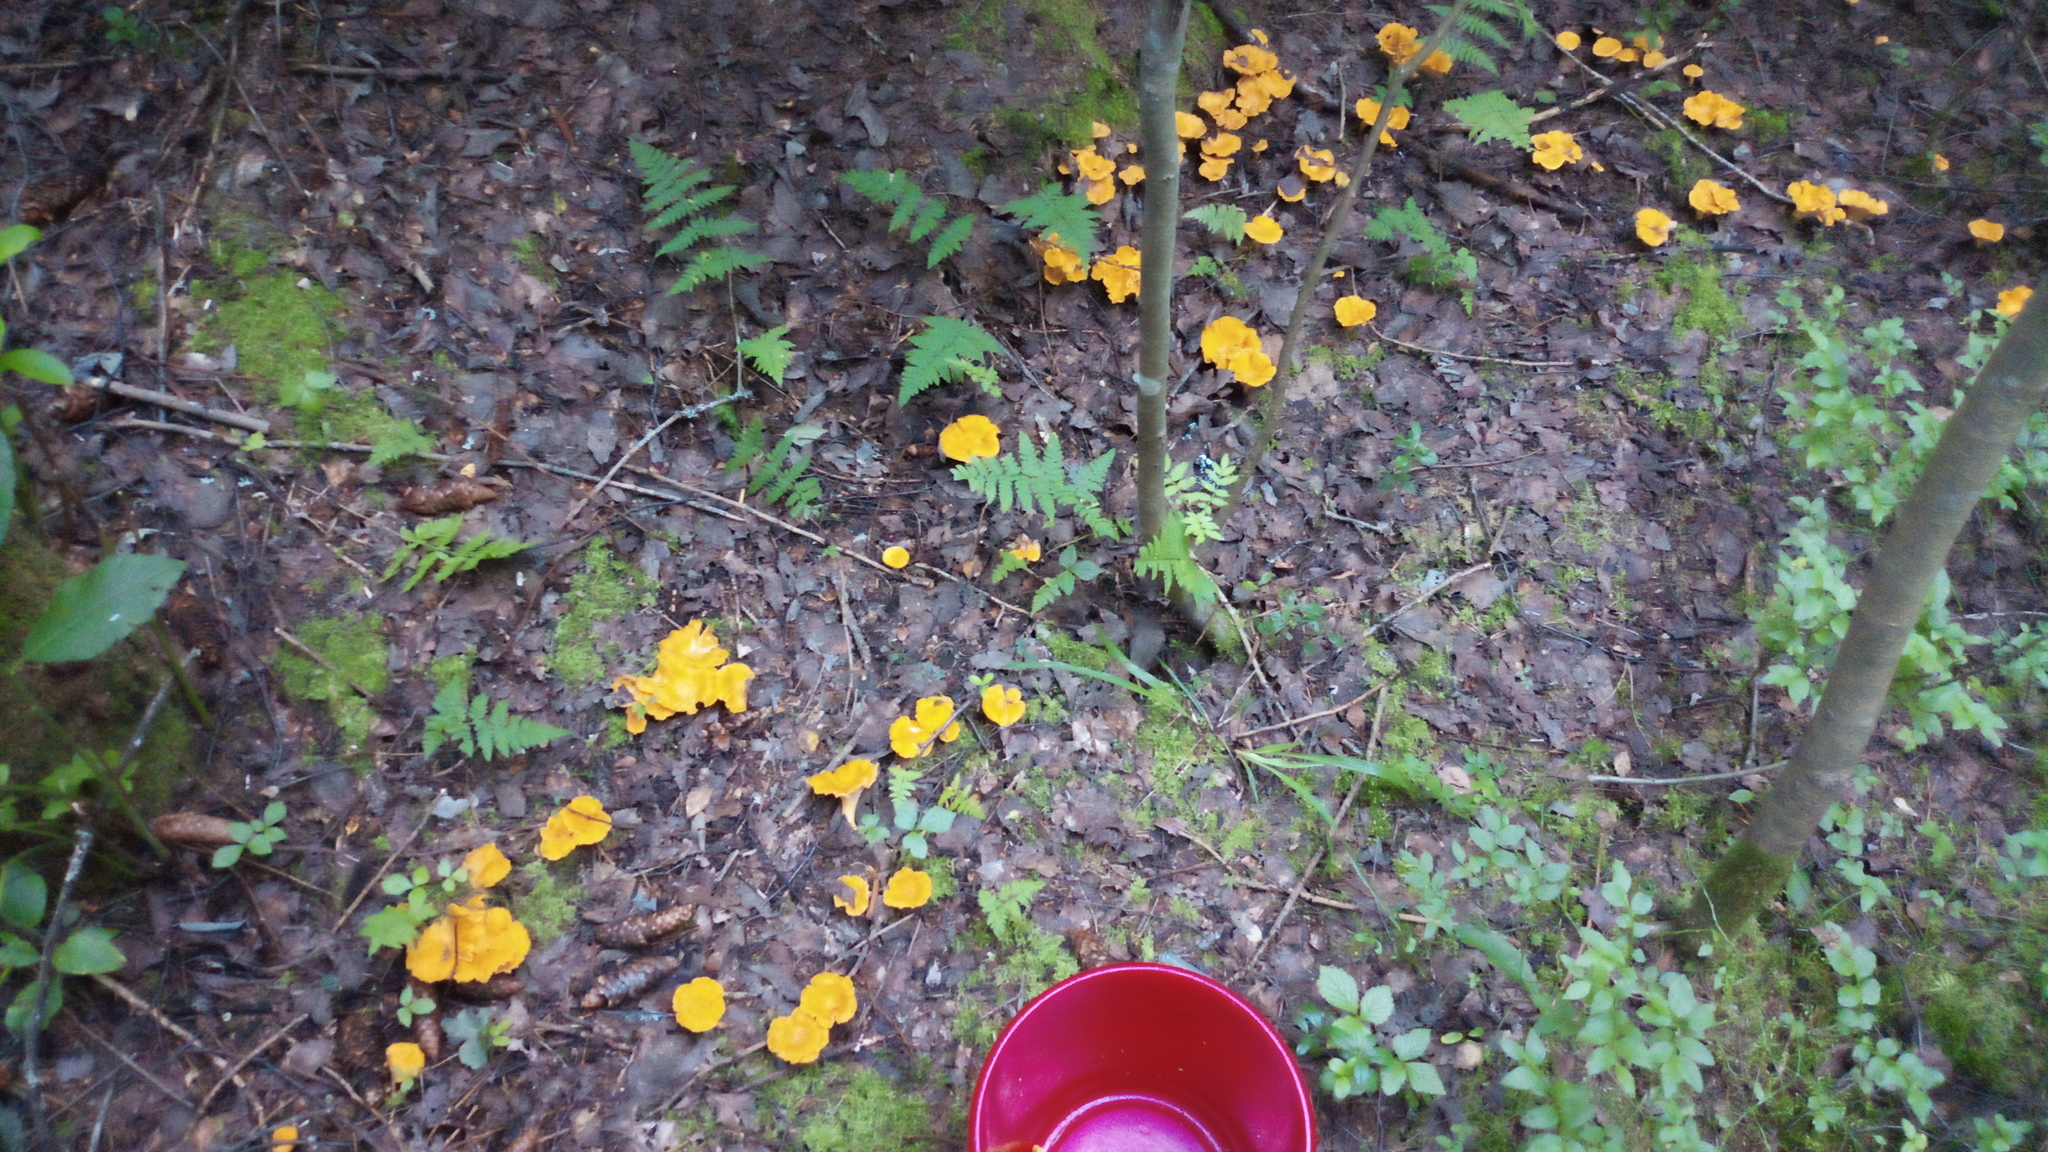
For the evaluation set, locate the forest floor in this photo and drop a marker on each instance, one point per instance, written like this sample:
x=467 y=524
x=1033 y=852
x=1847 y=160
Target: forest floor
x=1519 y=532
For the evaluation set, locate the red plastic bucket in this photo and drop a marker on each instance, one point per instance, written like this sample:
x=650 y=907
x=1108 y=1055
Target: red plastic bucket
x=1135 y=1057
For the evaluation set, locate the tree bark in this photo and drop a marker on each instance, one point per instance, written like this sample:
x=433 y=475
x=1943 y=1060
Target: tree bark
x=1973 y=443
x=1166 y=25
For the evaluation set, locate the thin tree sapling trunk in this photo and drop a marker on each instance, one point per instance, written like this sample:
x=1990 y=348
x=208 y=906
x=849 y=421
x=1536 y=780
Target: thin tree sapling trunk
x=1973 y=443
x=1166 y=25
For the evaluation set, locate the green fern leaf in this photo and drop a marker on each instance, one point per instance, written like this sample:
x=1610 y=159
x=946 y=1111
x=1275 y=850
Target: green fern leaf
x=1225 y=220
x=947 y=350
x=748 y=444
x=1169 y=559
x=889 y=187
x=1043 y=482
x=713 y=263
x=688 y=206
x=949 y=240
x=706 y=228
x=396 y=440
x=449 y=721
x=1068 y=215
x=1492 y=116
x=501 y=734
x=1054 y=588
x=769 y=353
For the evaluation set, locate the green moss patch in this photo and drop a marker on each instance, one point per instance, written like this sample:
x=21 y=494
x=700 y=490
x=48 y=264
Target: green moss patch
x=608 y=588
x=836 y=1108
x=1708 y=307
x=355 y=654
x=1085 y=83
x=279 y=330
x=544 y=903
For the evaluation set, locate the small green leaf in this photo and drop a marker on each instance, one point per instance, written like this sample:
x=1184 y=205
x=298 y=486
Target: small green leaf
x=93 y=611
x=17 y=1012
x=227 y=855
x=16 y=237
x=16 y=952
x=23 y=894
x=36 y=365
x=308 y=395
x=1338 y=988
x=390 y=927
x=86 y=952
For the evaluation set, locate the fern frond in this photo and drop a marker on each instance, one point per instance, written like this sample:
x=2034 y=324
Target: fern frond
x=471 y=724
x=501 y=734
x=1169 y=559
x=882 y=187
x=748 y=444
x=769 y=353
x=1068 y=214
x=689 y=206
x=706 y=228
x=1225 y=220
x=947 y=350
x=929 y=213
x=713 y=263
x=949 y=240
x=903 y=784
x=1043 y=482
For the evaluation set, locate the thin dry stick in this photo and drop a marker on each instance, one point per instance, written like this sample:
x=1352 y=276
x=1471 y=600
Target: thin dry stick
x=860 y=642
x=251 y=1054
x=175 y=404
x=1667 y=780
x=1658 y=119
x=1300 y=889
x=379 y=877
x=81 y=843
x=1300 y=720
x=1377 y=334
x=618 y=464
x=170 y=1093
x=1427 y=596
x=1631 y=81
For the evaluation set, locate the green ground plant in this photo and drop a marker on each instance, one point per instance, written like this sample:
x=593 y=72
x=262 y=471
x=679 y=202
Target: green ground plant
x=607 y=589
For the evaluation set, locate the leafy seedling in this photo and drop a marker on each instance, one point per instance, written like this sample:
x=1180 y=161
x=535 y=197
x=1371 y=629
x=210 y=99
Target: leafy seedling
x=411 y=1007
x=256 y=837
x=479 y=1033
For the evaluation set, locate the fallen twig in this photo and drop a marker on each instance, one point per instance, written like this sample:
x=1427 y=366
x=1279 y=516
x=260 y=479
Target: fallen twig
x=175 y=404
x=1507 y=184
x=1623 y=85
x=32 y=1030
x=1300 y=720
x=170 y=1093
x=1658 y=119
x=1419 y=601
x=1667 y=780
x=354 y=71
x=628 y=454
x=200 y=1111
x=1467 y=356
